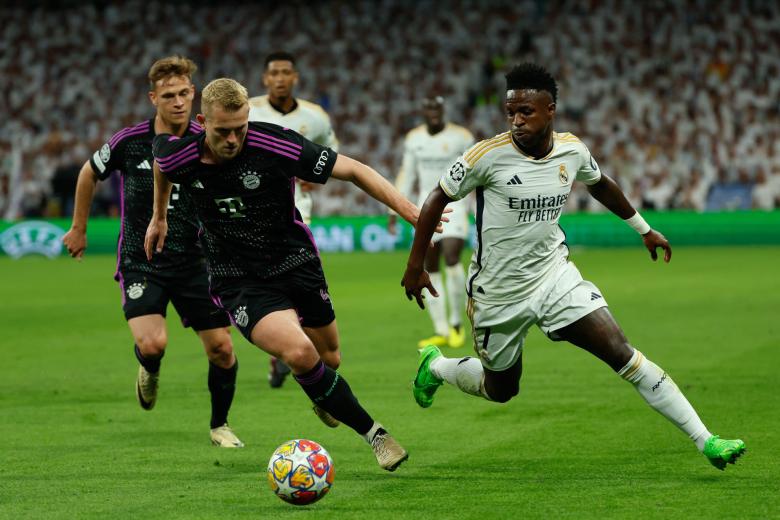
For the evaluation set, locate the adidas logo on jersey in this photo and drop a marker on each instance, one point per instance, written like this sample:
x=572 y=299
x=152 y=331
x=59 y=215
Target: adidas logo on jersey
x=515 y=180
x=144 y=165
x=198 y=184
x=594 y=296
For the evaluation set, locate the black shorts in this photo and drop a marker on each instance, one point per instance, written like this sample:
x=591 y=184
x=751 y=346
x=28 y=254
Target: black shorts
x=147 y=293
x=249 y=300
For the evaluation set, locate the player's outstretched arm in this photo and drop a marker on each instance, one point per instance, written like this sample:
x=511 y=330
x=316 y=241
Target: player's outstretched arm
x=609 y=193
x=370 y=181
x=158 y=226
x=415 y=278
x=75 y=240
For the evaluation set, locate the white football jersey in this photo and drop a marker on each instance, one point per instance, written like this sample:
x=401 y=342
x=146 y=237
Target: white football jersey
x=519 y=203
x=427 y=157
x=308 y=119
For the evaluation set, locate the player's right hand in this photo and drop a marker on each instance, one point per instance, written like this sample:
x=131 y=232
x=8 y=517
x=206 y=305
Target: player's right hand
x=414 y=281
x=76 y=243
x=155 y=237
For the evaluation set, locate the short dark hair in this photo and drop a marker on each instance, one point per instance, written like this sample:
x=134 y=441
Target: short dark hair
x=531 y=76
x=279 y=56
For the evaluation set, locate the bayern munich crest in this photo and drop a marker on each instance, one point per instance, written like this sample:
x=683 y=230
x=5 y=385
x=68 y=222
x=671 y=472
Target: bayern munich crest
x=251 y=180
x=241 y=317
x=135 y=291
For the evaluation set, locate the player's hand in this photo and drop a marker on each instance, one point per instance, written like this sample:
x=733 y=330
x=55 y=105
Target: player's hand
x=653 y=240
x=155 y=237
x=75 y=241
x=414 y=281
x=305 y=186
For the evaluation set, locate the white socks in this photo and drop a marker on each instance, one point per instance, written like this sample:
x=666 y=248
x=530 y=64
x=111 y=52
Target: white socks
x=660 y=392
x=437 y=306
x=456 y=292
x=465 y=373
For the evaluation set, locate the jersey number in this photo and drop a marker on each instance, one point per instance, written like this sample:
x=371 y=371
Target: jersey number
x=174 y=196
x=232 y=206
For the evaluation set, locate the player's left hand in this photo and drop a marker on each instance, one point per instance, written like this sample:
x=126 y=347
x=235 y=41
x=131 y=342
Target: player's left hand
x=414 y=281
x=155 y=237
x=653 y=240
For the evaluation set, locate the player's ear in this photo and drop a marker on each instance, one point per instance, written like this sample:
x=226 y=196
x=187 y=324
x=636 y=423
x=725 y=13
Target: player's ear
x=153 y=97
x=551 y=109
x=265 y=79
x=295 y=78
x=201 y=119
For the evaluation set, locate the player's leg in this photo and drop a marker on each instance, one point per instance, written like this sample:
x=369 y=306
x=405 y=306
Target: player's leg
x=190 y=296
x=326 y=341
x=455 y=281
x=223 y=369
x=598 y=333
x=437 y=307
x=303 y=203
x=499 y=332
x=151 y=338
x=144 y=301
x=280 y=334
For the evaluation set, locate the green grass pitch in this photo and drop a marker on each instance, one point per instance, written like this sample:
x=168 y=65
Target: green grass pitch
x=577 y=443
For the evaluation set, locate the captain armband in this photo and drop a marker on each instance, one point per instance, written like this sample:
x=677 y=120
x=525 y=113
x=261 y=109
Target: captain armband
x=638 y=224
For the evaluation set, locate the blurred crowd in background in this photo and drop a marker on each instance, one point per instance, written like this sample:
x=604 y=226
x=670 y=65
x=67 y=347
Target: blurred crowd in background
x=679 y=101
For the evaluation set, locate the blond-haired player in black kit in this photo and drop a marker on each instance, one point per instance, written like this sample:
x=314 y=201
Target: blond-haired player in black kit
x=264 y=266
x=178 y=275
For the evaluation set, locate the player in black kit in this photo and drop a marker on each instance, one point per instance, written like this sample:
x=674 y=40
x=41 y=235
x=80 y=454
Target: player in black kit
x=264 y=266
x=179 y=274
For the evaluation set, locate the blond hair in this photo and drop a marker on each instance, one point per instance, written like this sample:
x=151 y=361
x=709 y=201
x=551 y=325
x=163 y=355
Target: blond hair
x=228 y=93
x=175 y=65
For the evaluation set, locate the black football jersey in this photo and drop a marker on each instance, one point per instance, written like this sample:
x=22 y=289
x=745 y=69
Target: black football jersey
x=251 y=227
x=129 y=153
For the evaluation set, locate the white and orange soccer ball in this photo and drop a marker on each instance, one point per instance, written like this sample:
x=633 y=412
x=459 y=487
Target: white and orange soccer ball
x=300 y=472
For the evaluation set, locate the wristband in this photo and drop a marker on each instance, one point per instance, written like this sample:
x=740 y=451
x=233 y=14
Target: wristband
x=638 y=224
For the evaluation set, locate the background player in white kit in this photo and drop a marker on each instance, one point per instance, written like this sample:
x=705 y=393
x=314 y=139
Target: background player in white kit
x=429 y=150
x=281 y=107
x=520 y=274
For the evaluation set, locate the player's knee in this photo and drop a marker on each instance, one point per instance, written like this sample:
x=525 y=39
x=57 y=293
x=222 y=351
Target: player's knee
x=502 y=393
x=300 y=357
x=332 y=358
x=220 y=351
x=451 y=258
x=152 y=344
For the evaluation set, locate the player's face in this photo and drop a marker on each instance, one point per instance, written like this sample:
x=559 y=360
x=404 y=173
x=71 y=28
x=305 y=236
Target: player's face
x=530 y=114
x=172 y=96
x=279 y=79
x=433 y=112
x=225 y=131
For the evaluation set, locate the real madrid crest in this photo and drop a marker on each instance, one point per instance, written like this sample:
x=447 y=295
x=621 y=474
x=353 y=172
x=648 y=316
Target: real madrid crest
x=251 y=180
x=562 y=174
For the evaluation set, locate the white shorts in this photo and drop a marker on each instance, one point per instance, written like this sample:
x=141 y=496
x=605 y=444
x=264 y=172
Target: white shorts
x=458 y=226
x=500 y=329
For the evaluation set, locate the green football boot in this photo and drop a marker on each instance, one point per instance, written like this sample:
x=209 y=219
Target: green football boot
x=426 y=384
x=723 y=451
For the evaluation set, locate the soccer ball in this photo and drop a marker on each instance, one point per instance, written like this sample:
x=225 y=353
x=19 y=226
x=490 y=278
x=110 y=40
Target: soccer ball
x=300 y=472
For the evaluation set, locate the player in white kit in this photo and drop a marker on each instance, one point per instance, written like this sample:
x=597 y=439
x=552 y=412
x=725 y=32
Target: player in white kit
x=429 y=150
x=281 y=107
x=520 y=274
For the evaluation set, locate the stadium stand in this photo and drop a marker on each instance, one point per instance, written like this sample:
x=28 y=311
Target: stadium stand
x=678 y=100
